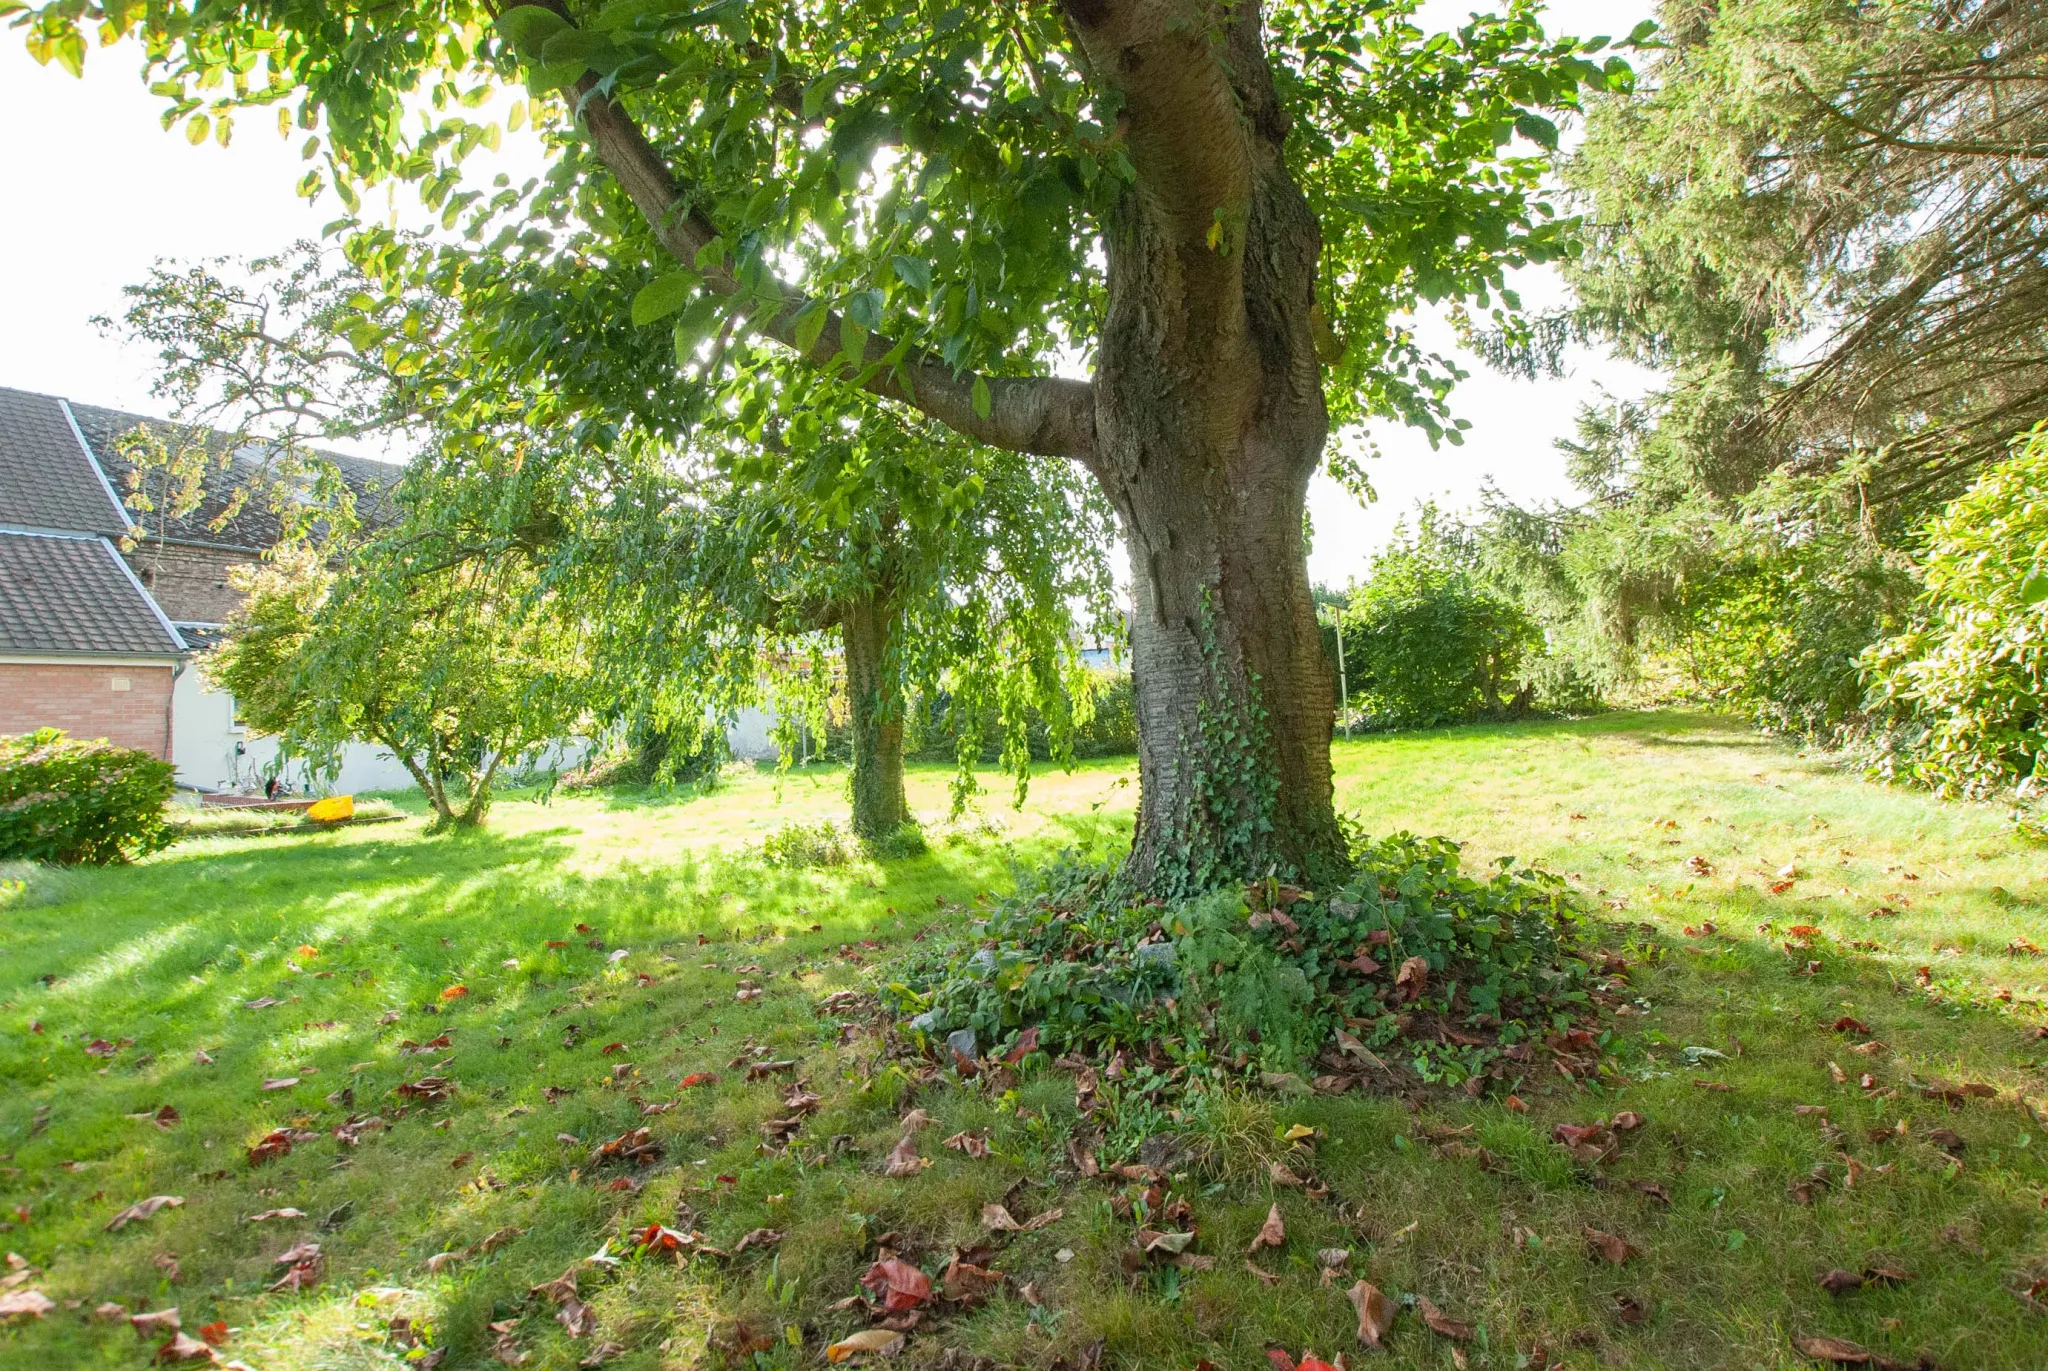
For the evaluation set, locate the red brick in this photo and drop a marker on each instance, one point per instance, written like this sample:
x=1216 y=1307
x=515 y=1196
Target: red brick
x=80 y=699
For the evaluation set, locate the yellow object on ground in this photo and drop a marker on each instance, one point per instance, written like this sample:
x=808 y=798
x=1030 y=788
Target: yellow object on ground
x=333 y=809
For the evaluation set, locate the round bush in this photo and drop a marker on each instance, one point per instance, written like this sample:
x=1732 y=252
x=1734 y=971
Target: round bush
x=65 y=801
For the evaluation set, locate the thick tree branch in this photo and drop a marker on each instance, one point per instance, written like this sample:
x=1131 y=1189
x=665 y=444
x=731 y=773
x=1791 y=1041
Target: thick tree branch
x=1049 y=416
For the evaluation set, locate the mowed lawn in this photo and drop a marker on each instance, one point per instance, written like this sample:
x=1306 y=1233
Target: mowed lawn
x=582 y=959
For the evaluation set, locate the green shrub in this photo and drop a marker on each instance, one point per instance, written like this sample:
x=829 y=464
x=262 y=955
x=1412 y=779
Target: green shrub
x=1253 y=978
x=821 y=844
x=1426 y=644
x=1964 y=687
x=67 y=801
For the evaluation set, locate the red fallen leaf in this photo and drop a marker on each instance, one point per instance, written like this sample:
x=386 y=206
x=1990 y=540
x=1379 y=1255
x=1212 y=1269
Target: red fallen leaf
x=1441 y=1325
x=611 y=1049
x=427 y=1088
x=585 y=928
x=1027 y=1042
x=1517 y=1104
x=697 y=1078
x=1279 y=1359
x=1845 y=1024
x=657 y=1238
x=1375 y=1312
x=1780 y=887
x=1609 y=1247
x=215 y=1333
x=558 y=942
x=100 y=1047
x=272 y=1145
x=897 y=1284
x=455 y=992
x=1311 y=1362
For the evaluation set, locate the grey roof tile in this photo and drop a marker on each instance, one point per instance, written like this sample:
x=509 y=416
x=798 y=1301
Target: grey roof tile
x=46 y=480
x=255 y=526
x=74 y=595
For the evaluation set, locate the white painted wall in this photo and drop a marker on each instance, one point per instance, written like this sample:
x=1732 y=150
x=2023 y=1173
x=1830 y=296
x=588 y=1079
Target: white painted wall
x=749 y=736
x=210 y=752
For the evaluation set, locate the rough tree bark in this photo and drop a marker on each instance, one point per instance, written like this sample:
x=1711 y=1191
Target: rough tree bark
x=1203 y=423
x=875 y=710
x=1209 y=422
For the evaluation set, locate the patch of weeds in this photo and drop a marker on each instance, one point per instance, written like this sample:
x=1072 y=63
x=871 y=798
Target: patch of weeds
x=801 y=846
x=1456 y=977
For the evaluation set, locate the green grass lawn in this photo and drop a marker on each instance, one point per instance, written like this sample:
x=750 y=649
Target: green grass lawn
x=582 y=959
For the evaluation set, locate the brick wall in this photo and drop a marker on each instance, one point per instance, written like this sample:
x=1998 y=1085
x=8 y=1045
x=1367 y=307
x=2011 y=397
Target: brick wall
x=191 y=583
x=81 y=700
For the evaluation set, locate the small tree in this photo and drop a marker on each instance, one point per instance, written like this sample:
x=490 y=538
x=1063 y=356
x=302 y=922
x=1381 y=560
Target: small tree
x=456 y=672
x=1426 y=644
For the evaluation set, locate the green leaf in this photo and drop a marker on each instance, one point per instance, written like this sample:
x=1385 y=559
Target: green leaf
x=853 y=340
x=983 y=401
x=1537 y=130
x=528 y=27
x=913 y=271
x=696 y=325
x=2034 y=589
x=663 y=296
x=810 y=322
x=593 y=50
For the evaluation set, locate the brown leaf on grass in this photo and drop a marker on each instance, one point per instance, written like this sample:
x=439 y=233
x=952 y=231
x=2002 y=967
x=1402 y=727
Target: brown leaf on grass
x=577 y=1317
x=1412 y=979
x=215 y=1334
x=878 y=1342
x=1442 y=1325
x=158 y=1321
x=1653 y=1190
x=1838 y=1352
x=181 y=1348
x=965 y=1283
x=1840 y=1282
x=1627 y=1121
x=1264 y=1277
x=903 y=1158
x=143 y=1209
x=281 y=1083
x=973 y=1144
x=1609 y=1247
x=1629 y=1309
x=1589 y=1144
x=1152 y=1240
x=427 y=1089
x=26 y=1304
x=1375 y=1312
x=1083 y=1158
x=272 y=1145
x=1283 y=1177
x=897 y=1284
x=758 y=1237
x=635 y=1145
x=267 y=1215
x=1273 y=1233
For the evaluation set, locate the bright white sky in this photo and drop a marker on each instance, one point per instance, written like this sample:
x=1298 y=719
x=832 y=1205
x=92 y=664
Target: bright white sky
x=99 y=192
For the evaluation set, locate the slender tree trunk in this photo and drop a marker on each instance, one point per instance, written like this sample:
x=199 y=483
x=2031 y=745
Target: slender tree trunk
x=1209 y=423
x=875 y=703
x=422 y=775
x=480 y=795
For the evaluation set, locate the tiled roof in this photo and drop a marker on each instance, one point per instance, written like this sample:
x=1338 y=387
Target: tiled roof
x=75 y=595
x=255 y=526
x=46 y=480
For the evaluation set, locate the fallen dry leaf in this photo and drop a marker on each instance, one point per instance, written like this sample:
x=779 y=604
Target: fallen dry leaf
x=158 y=1321
x=973 y=1144
x=1375 y=1312
x=1442 y=1325
x=903 y=1158
x=215 y=1333
x=143 y=1209
x=1272 y=1234
x=899 y=1285
x=31 y=1304
x=879 y=1342
x=1609 y=1247
x=181 y=1348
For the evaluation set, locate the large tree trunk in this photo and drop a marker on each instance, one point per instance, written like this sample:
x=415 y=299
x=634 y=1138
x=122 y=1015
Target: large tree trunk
x=1209 y=423
x=875 y=706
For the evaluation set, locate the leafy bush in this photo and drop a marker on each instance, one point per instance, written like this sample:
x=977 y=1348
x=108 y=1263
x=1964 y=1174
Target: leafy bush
x=810 y=845
x=1426 y=644
x=1408 y=956
x=1965 y=685
x=67 y=801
